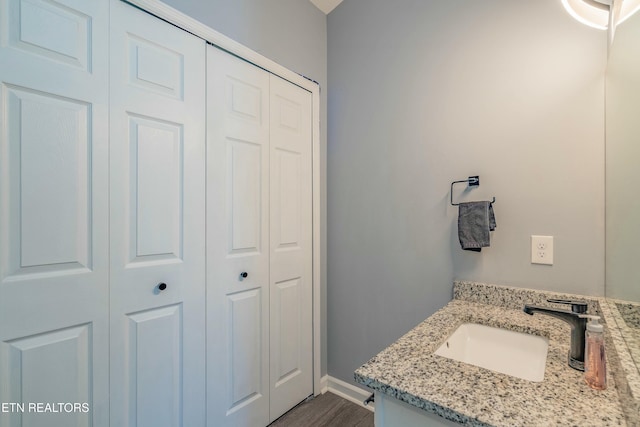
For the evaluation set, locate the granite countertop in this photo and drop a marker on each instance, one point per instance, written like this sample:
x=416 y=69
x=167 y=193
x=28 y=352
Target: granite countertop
x=409 y=371
x=626 y=341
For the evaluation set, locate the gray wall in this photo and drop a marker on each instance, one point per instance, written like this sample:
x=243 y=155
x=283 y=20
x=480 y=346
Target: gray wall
x=292 y=33
x=422 y=93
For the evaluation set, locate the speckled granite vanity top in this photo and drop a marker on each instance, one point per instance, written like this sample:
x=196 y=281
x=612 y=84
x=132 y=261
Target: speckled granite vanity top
x=409 y=371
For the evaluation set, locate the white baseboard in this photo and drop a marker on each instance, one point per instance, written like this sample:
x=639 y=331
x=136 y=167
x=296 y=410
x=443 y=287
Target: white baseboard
x=324 y=384
x=346 y=391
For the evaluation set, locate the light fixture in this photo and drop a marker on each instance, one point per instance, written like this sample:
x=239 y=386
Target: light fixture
x=594 y=13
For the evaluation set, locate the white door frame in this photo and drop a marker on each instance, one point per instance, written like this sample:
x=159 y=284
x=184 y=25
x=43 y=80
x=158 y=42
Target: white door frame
x=179 y=19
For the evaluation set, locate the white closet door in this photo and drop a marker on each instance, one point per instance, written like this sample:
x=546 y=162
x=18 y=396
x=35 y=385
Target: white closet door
x=54 y=210
x=157 y=222
x=291 y=328
x=237 y=242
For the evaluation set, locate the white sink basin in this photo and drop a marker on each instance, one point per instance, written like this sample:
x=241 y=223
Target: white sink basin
x=512 y=353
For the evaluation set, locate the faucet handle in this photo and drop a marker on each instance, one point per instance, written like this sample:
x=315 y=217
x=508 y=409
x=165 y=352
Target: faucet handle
x=576 y=306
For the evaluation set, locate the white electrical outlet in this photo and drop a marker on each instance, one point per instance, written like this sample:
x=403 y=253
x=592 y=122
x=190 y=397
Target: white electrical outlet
x=542 y=250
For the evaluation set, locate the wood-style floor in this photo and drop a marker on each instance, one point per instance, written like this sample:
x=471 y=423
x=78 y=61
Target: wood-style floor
x=326 y=410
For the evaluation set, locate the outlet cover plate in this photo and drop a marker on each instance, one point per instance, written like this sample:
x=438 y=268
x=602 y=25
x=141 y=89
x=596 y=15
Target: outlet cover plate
x=542 y=250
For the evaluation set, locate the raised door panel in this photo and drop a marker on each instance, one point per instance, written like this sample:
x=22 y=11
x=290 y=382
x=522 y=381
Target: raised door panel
x=51 y=395
x=288 y=168
x=49 y=187
x=157 y=158
x=244 y=198
x=287 y=334
x=156 y=190
x=291 y=329
x=244 y=339
x=58 y=31
x=237 y=241
x=54 y=211
x=155 y=367
x=154 y=67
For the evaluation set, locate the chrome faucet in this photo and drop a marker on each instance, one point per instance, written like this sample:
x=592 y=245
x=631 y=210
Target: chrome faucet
x=576 y=318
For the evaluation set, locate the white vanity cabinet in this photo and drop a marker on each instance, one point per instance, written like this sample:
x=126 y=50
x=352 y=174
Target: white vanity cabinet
x=392 y=412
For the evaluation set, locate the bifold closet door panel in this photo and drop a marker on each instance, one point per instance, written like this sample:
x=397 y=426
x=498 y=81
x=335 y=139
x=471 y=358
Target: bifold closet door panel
x=157 y=166
x=237 y=242
x=54 y=212
x=291 y=291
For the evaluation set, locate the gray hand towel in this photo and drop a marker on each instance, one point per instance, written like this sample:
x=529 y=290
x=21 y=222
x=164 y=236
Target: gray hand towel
x=475 y=221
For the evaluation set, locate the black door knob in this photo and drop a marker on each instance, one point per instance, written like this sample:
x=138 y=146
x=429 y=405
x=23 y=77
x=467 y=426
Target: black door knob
x=244 y=274
x=162 y=286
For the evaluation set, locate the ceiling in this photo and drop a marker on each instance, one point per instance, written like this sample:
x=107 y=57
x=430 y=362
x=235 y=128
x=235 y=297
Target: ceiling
x=326 y=5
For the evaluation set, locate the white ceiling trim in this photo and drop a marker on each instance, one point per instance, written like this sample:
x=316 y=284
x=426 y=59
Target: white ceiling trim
x=326 y=5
